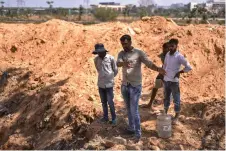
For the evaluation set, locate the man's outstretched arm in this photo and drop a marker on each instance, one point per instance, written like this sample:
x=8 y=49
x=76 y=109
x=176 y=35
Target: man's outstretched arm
x=150 y=64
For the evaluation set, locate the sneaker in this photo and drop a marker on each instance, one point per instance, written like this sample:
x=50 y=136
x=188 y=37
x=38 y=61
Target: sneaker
x=175 y=121
x=103 y=120
x=129 y=132
x=113 y=122
x=154 y=109
x=136 y=139
x=146 y=106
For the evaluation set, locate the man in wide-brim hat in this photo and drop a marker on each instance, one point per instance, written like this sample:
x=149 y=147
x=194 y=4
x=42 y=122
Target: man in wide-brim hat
x=107 y=70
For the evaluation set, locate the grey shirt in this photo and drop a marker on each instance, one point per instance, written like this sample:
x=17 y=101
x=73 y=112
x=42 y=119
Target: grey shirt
x=107 y=70
x=133 y=75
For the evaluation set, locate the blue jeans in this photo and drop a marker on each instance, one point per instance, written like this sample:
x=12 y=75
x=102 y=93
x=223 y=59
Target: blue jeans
x=172 y=87
x=107 y=96
x=131 y=96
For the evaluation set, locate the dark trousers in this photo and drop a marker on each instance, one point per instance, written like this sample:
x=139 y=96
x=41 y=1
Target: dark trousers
x=172 y=87
x=107 y=96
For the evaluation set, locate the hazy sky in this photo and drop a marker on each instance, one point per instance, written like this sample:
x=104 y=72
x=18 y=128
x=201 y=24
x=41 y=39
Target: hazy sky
x=75 y=3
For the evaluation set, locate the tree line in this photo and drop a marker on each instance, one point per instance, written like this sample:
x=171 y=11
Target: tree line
x=145 y=8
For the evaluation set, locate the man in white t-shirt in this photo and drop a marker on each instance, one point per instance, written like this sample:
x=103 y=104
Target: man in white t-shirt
x=173 y=61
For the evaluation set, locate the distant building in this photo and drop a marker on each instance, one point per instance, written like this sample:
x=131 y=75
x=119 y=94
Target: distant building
x=216 y=1
x=164 y=7
x=218 y=5
x=177 y=5
x=110 y=5
x=215 y=5
x=192 y=5
x=210 y=5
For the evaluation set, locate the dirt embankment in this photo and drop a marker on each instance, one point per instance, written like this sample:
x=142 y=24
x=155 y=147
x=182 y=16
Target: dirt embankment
x=51 y=97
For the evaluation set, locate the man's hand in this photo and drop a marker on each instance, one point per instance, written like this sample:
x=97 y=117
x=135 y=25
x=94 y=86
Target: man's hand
x=129 y=65
x=124 y=64
x=178 y=74
x=162 y=71
x=119 y=64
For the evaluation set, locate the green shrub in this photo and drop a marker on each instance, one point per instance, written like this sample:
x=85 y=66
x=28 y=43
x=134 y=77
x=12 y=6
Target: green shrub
x=221 y=22
x=189 y=21
x=143 y=12
x=104 y=14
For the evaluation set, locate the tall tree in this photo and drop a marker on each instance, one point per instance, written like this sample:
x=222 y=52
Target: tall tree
x=87 y=6
x=146 y=7
x=2 y=3
x=126 y=11
x=50 y=3
x=198 y=12
x=80 y=13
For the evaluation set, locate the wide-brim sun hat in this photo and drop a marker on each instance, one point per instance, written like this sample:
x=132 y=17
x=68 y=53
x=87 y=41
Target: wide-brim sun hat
x=99 y=48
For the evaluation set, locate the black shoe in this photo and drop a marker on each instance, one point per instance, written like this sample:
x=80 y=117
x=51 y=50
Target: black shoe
x=129 y=132
x=103 y=120
x=175 y=121
x=136 y=139
x=113 y=122
x=145 y=106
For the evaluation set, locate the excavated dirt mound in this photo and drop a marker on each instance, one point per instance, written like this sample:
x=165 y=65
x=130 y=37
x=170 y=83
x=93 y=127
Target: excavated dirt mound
x=50 y=97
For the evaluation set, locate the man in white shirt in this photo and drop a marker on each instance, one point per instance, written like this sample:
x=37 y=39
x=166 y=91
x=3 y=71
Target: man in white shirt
x=107 y=70
x=173 y=61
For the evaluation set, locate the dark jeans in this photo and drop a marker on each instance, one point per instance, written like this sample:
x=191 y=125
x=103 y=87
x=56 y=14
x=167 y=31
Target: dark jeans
x=106 y=96
x=131 y=96
x=172 y=87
